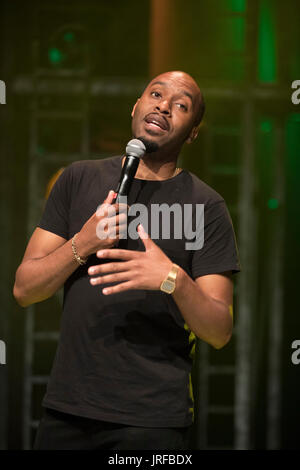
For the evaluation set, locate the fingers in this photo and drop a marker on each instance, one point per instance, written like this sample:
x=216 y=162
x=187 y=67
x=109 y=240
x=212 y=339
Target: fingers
x=121 y=219
x=108 y=204
x=121 y=208
x=111 y=229
x=126 y=255
x=109 y=268
x=118 y=272
x=142 y=233
x=119 y=288
x=109 y=278
x=110 y=223
x=111 y=210
x=148 y=243
x=107 y=208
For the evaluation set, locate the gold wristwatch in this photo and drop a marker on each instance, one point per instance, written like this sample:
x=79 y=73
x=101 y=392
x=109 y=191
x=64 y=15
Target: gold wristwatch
x=169 y=284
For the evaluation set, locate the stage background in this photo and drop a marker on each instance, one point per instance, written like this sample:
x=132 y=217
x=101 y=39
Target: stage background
x=73 y=70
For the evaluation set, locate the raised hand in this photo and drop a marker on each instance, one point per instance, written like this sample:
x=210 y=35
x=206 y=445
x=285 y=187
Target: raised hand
x=103 y=228
x=137 y=270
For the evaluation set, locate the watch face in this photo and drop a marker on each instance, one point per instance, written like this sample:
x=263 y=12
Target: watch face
x=168 y=286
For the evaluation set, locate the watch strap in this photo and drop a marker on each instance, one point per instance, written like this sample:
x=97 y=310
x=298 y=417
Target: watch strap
x=170 y=279
x=173 y=273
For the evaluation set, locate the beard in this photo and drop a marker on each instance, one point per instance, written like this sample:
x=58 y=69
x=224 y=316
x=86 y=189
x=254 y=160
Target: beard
x=150 y=146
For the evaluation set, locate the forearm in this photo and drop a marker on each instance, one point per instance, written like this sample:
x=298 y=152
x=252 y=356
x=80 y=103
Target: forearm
x=208 y=318
x=38 y=279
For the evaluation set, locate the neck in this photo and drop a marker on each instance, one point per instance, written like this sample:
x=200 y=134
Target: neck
x=157 y=166
x=149 y=170
x=152 y=169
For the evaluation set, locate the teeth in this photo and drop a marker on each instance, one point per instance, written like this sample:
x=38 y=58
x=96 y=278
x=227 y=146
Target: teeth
x=155 y=123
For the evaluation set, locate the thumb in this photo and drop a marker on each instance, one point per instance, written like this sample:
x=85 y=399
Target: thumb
x=103 y=208
x=110 y=197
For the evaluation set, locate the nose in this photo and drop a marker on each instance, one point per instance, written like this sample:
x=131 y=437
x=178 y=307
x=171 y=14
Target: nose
x=164 y=107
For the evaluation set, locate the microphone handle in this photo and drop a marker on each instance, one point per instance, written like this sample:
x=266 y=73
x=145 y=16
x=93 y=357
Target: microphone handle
x=128 y=173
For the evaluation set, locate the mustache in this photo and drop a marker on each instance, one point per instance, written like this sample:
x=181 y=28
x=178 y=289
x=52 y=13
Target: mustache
x=159 y=118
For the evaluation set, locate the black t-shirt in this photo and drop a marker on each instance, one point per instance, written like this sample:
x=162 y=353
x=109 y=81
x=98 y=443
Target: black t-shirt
x=126 y=357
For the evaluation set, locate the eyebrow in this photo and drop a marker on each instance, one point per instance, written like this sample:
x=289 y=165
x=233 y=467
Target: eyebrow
x=158 y=82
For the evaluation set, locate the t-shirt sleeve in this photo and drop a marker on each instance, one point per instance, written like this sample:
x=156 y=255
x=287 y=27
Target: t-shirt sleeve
x=219 y=252
x=55 y=217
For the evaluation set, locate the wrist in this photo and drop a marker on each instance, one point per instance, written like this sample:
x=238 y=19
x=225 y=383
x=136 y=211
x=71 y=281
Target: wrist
x=78 y=249
x=180 y=280
x=168 y=284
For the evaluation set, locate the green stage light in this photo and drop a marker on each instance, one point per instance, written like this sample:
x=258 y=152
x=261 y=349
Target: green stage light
x=267 y=67
x=55 y=56
x=266 y=126
x=238 y=6
x=273 y=204
x=69 y=36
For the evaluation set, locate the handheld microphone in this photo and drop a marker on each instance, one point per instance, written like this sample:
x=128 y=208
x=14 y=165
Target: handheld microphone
x=135 y=150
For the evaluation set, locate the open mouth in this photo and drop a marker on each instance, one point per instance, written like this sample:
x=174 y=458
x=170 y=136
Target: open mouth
x=157 y=122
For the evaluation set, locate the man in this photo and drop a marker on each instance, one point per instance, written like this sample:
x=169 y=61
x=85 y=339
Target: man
x=120 y=378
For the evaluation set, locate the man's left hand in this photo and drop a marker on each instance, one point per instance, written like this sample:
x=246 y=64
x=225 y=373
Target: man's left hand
x=137 y=270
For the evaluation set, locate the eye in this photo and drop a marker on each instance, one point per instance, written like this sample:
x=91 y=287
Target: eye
x=155 y=94
x=182 y=106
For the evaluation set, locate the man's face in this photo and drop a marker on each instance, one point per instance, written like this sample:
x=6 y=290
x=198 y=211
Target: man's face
x=165 y=114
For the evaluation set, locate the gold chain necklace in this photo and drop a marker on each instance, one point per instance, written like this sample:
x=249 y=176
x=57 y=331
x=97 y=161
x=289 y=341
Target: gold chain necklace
x=177 y=170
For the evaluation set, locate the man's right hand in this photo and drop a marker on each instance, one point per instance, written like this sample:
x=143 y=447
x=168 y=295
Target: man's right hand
x=103 y=228
x=48 y=260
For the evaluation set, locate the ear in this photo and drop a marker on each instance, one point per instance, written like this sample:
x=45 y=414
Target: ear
x=193 y=135
x=133 y=109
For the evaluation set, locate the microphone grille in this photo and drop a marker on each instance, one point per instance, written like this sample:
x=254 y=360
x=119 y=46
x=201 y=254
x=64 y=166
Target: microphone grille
x=136 y=148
